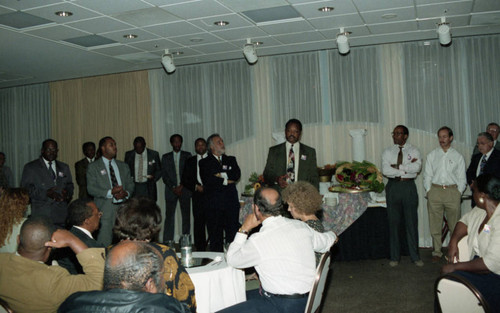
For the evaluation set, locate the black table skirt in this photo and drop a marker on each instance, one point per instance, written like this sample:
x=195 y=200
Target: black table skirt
x=367 y=238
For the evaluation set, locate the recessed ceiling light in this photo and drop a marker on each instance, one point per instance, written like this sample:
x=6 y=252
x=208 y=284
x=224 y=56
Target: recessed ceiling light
x=130 y=36
x=325 y=9
x=258 y=43
x=196 y=39
x=427 y=43
x=389 y=16
x=221 y=23
x=63 y=13
x=177 y=52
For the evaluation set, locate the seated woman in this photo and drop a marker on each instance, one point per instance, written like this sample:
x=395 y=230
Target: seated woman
x=140 y=219
x=13 y=205
x=304 y=202
x=482 y=225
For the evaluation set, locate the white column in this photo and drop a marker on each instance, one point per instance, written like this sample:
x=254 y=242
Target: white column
x=358 y=144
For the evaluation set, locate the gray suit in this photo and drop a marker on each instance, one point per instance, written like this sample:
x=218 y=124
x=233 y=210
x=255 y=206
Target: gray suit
x=37 y=179
x=170 y=180
x=98 y=186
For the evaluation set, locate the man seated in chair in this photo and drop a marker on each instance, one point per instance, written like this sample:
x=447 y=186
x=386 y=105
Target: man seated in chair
x=282 y=253
x=30 y=285
x=133 y=282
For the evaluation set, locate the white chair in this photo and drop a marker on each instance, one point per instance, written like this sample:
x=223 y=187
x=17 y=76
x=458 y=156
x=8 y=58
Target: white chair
x=463 y=250
x=4 y=307
x=316 y=293
x=457 y=295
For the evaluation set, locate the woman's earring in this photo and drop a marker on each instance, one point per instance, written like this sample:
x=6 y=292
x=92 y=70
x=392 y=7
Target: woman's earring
x=481 y=200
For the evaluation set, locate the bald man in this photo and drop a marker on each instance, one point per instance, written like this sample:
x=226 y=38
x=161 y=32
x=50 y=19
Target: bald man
x=29 y=285
x=133 y=282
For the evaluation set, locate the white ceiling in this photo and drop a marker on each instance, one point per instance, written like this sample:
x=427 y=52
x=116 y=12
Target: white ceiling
x=41 y=53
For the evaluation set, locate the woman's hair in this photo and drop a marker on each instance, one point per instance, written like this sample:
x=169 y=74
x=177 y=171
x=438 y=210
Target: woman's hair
x=13 y=205
x=490 y=185
x=139 y=218
x=304 y=196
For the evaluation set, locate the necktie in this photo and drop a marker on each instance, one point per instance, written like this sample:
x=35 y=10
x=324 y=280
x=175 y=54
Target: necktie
x=291 y=165
x=140 y=169
x=219 y=158
x=400 y=157
x=483 y=163
x=177 y=169
x=112 y=175
x=51 y=170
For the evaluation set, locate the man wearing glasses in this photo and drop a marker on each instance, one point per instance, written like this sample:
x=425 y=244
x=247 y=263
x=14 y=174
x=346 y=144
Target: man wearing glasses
x=49 y=184
x=401 y=163
x=493 y=129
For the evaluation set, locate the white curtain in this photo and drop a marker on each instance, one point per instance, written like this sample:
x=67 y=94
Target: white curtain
x=24 y=124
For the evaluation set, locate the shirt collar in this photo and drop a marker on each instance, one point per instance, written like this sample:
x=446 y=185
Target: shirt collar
x=84 y=230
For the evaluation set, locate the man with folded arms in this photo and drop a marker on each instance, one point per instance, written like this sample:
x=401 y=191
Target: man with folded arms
x=401 y=163
x=30 y=285
x=133 y=282
x=444 y=182
x=282 y=253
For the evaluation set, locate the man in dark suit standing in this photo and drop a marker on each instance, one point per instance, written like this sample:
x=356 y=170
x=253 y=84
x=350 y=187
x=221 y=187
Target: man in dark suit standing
x=191 y=180
x=84 y=216
x=485 y=162
x=145 y=168
x=81 y=169
x=49 y=184
x=219 y=174
x=110 y=183
x=494 y=130
x=172 y=165
x=291 y=161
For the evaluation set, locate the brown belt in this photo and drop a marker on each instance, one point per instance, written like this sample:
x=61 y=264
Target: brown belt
x=445 y=186
x=401 y=179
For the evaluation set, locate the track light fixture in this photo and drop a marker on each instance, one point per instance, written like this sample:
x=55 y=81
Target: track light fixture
x=167 y=60
x=443 y=31
x=343 y=41
x=249 y=52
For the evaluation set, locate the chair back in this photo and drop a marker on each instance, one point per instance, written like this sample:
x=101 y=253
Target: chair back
x=455 y=294
x=464 y=249
x=4 y=307
x=316 y=293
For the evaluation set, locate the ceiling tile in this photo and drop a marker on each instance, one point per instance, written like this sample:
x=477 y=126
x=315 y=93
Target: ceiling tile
x=90 y=41
x=396 y=27
x=287 y=27
x=174 y=29
x=243 y=32
x=6 y=10
x=245 y=5
x=302 y=37
x=155 y=45
x=141 y=35
x=197 y=9
x=100 y=25
x=113 y=6
x=310 y=10
x=58 y=32
x=455 y=21
x=138 y=57
x=391 y=15
x=355 y=32
x=442 y=9
x=267 y=41
x=117 y=50
x=27 y=4
x=337 y=21
x=22 y=20
x=476 y=30
x=492 y=18
x=201 y=38
x=48 y=12
x=216 y=47
x=486 y=5
x=234 y=20
x=272 y=15
x=372 y=5
x=146 y=17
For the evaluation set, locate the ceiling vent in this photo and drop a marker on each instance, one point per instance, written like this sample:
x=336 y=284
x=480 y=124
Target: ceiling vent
x=273 y=15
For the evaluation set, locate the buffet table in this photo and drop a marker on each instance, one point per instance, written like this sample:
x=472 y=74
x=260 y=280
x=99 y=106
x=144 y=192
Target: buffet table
x=217 y=285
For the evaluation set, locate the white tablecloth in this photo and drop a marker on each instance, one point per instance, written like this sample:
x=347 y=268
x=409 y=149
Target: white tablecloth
x=217 y=286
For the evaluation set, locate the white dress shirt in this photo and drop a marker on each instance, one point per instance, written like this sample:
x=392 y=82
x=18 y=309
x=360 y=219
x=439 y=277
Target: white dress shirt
x=198 y=158
x=118 y=179
x=296 y=152
x=85 y=231
x=445 y=168
x=407 y=169
x=282 y=253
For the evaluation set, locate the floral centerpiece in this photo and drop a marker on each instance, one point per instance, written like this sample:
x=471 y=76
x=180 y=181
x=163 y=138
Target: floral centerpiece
x=255 y=182
x=359 y=175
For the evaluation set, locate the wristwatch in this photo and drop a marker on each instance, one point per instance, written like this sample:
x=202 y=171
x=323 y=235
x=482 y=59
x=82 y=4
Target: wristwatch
x=241 y=230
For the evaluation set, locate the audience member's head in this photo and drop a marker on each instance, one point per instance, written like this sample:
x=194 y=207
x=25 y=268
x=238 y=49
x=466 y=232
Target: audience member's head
x=487 y=185
x=176 y=142
x=493 y=129
x=400 y=135
x=269 y=201
x=216 y=145
x=200 y=146
x=139 y=144
x=136 y=266
x=49 y=150
x=88 y=149
x=138 y=219
x=107 y=148
x=84 y=213
x=293 y=130
x=484 y=142
x=13 y=205
x=35 y=232
x=302 y=198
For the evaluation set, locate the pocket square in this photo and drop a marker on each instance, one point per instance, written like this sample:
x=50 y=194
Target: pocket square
x=103 y=172
x=303 y=157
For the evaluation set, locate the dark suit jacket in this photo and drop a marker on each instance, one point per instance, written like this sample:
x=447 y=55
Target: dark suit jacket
x=492 y=165
x=66 y=258
x=277 y=162
x=169 y=175
x=190 y=174
x=81 y=178
x=154 y=169
x=37 y=180
x=219 y=195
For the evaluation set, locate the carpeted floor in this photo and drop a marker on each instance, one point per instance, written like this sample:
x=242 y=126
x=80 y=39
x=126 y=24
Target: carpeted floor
x=374 y=286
